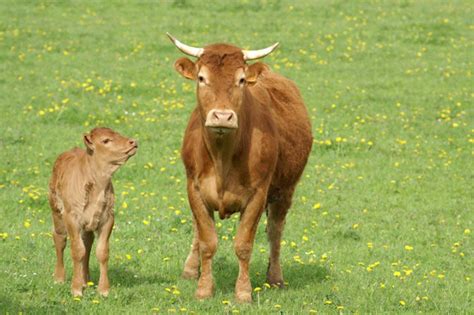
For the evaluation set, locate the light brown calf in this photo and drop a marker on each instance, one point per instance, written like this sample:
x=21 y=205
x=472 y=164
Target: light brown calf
x=81 y=197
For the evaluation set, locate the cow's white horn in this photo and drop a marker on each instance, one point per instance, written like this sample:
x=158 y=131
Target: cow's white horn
x=255 y=54
x=188 y=50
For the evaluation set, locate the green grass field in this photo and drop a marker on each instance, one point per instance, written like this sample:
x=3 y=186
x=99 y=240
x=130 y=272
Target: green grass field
x=383 y=218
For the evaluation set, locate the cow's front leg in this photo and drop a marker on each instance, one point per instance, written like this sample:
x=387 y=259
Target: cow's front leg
x=207 y=241
x=244 y=243
x=191 y=266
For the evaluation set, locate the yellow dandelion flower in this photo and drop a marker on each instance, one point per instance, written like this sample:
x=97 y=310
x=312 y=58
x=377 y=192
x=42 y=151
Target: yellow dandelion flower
x=408 y=248
x=402 y=303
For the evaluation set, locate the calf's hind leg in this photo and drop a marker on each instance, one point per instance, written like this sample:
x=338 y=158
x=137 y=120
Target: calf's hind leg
x=59 y=237
x=88 y=239
x=276 y=222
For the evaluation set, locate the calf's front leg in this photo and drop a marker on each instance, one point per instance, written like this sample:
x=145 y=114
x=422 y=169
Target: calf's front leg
x=78 y=252
x=102 y=253
x=244 y=243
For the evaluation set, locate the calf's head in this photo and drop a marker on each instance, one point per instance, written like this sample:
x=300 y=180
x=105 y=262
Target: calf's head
x=222 y=77
x=109 y=146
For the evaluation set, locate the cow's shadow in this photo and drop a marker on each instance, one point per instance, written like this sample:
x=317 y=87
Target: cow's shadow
x=296 y=275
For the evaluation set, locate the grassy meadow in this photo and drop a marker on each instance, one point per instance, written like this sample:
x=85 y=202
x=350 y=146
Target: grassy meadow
x=382 y=220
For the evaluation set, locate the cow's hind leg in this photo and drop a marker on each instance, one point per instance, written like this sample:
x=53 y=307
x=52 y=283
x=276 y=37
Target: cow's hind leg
x=191 y=266
x=276 y=222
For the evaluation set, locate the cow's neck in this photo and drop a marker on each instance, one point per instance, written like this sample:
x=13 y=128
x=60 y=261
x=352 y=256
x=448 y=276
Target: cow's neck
x=221 y=150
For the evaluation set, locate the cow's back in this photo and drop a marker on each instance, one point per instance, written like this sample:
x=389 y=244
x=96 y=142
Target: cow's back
x=294 y=127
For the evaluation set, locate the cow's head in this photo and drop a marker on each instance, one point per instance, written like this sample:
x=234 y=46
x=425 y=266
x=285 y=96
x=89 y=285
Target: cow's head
x=222 y=77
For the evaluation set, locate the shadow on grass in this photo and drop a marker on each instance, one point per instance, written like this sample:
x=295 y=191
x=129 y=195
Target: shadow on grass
x=296 y=275
x=13 y=306
x=127 y=278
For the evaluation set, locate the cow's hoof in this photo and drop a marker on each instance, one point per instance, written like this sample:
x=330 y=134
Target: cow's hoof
x=190 y=275
x=243 y=297
x=278 y=283
x=203 y=293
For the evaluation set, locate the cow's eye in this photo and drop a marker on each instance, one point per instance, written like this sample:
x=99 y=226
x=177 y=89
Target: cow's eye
x=242 y=81
x=105 y=141
x=201 y=79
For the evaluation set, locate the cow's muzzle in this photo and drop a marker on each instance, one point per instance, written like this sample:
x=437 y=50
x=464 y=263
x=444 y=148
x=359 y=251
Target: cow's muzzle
x=221 y=120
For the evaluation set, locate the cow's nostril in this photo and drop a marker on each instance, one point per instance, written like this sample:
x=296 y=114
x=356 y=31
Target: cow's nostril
x=230 y=116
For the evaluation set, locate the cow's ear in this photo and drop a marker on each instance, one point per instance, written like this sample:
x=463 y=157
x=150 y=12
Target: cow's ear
x=186 y=68
x=253 y=71
x=88 y=142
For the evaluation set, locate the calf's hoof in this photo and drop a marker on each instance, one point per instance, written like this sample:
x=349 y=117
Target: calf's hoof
x=243 y=297
x=103 y=292
x=190 y=274
x=59 y=280
x=76 y=292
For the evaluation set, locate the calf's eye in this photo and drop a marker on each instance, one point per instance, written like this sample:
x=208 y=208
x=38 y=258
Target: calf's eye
x=105 y=141
x=242 y=81
x=201 y=79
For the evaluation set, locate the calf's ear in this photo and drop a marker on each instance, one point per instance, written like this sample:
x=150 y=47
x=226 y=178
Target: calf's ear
x=88 y=142
x=253 y=71
x=186 y=68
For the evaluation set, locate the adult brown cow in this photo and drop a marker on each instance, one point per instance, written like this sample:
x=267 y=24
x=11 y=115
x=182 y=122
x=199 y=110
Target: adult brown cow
x=245 y=147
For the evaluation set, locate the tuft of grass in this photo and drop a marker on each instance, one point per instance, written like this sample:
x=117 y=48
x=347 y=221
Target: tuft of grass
x=382 y=220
